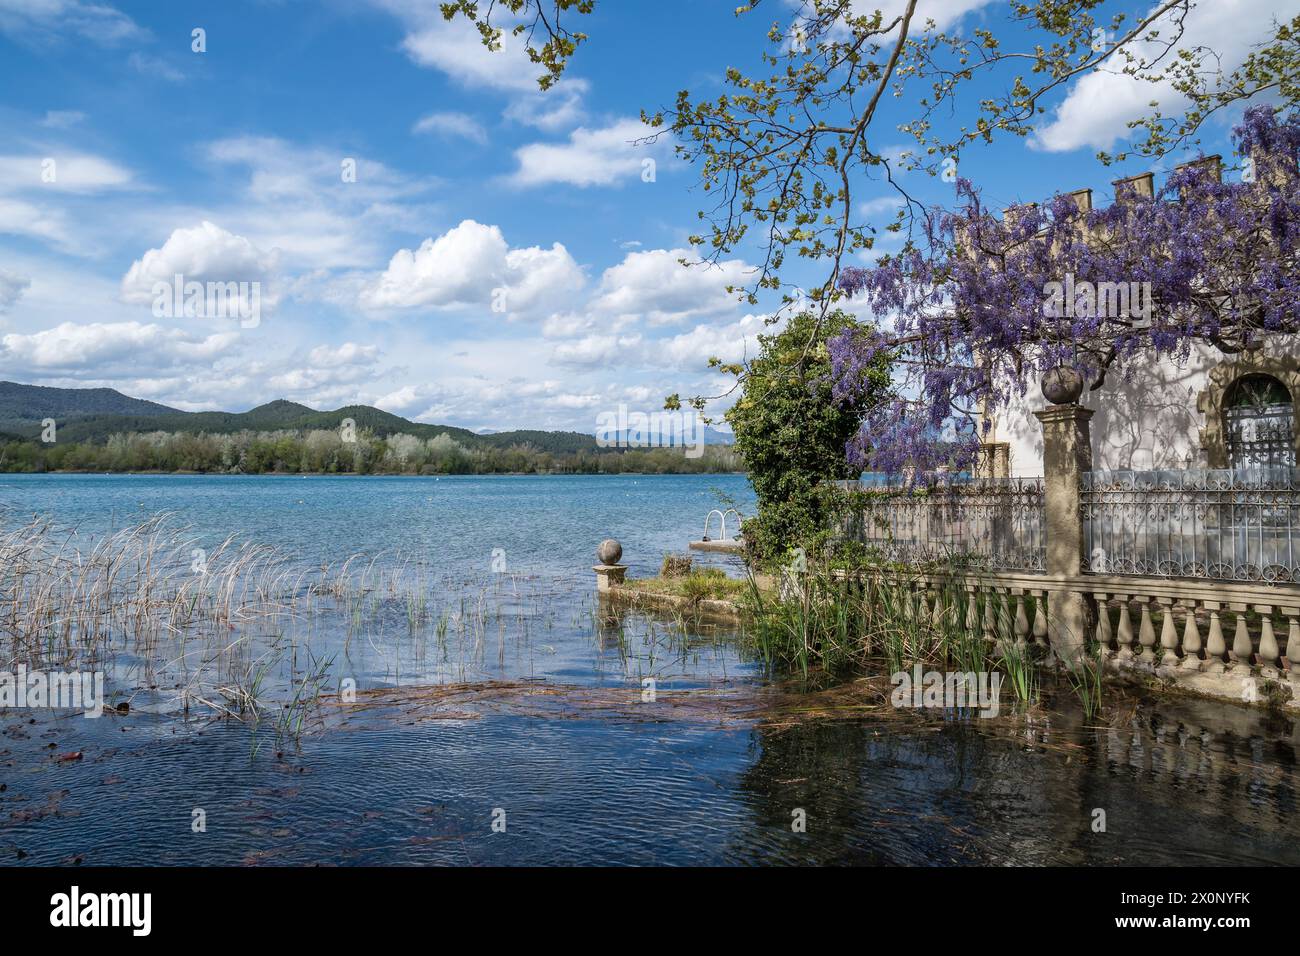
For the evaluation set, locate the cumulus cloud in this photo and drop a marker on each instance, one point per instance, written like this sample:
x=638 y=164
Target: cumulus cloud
x=347 y=354
x=593 y=350
x=328 y=368
x=1096 y=111
x=70 y=348
x=203 y=253
x=606 y=156
x=654 y=287
x=732 y=342
x=472 y=265
x=455 y=48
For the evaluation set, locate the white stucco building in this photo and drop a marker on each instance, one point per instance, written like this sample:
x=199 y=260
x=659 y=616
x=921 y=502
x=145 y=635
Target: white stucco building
x=1212 y=411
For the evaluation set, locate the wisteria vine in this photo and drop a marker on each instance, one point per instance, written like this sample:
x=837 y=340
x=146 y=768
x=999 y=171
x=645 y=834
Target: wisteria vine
x=972 y=320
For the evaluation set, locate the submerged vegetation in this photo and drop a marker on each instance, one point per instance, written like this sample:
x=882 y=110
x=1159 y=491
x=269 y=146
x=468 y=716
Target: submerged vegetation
x=695 y=585
x=842 y=626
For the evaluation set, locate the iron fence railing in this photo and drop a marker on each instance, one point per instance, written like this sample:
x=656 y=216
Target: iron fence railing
x=1238 y=525
x=996 y=524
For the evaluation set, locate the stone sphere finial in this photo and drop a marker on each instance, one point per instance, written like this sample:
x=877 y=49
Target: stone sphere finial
x=1062 y=385
x=609 y=551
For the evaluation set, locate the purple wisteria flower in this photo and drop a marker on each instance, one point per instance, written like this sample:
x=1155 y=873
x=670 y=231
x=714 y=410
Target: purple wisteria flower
x=984 y=301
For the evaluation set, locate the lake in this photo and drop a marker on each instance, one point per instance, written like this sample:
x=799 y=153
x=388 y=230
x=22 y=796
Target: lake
x=501 y=712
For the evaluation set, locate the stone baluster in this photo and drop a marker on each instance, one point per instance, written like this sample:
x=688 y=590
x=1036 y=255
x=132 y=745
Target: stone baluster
x=1168 y=633
x=1147 y=634
x=1191 y=639
x=1105 y=637
x=1269 y=657
x=1022 y=621
x=972 y=610
x=937 y=618
x=1242 y=649
x=1125 y=636
x=1292 y=659
x=991 y=600
x=1215 y=648
x=1040 y=618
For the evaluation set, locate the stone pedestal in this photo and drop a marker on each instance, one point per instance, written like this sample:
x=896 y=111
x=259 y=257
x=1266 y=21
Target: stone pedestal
x=609 y=576
x=1067 y=455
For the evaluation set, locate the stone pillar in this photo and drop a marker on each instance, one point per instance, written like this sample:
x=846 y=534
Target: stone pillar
x=609 y=576
x=609 y=573
x=1067 y=454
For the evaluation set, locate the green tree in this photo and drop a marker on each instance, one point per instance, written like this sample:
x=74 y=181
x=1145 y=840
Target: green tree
x=791 y=431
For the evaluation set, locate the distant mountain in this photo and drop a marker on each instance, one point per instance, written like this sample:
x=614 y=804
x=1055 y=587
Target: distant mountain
x=93 y=414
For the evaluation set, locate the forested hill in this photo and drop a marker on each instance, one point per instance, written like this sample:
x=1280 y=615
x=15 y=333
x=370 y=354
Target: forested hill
x=91 y=415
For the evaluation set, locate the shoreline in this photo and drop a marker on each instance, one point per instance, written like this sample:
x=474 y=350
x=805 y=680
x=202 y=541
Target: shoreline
x=392 y=474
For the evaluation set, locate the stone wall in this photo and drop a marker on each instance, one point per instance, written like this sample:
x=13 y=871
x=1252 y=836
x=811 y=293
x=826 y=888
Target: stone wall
x=1151 y=416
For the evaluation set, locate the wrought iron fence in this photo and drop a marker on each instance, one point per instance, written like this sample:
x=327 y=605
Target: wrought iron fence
x=1233 y=524
x=994 y=524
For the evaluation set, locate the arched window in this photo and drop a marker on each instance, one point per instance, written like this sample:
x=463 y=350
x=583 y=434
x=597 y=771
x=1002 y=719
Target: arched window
x=1260 y=421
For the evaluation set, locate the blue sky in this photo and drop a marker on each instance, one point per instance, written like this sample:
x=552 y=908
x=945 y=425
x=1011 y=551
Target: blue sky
x=229 y=163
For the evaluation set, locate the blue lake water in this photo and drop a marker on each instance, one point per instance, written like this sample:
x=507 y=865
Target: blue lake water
x=509 y=694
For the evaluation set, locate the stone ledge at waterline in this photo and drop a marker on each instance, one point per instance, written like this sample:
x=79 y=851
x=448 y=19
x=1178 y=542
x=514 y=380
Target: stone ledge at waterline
x=1234 y=684
x=672 y=589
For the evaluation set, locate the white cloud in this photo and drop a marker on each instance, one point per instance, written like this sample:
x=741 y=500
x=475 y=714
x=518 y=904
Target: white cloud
x=71 y=348
x=62 y=119
x=566 y=325
x=1096 y=111
x=472 y=265
x=349 y=353
x=25 y=219
x=591 y=157
x=560 y=107
x=155 y=66
x=943 y=12
x=654 y=287
x=328 y=369
x=455 y=48
x=61 y=172
x=452 y=124
x=12 y=286
x=296 y=200
x=598 y=350
x=205 y=252
x=48 y=19
x=733 y=342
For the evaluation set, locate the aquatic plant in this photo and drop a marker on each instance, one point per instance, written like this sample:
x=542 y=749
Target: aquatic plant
x=1085 y=677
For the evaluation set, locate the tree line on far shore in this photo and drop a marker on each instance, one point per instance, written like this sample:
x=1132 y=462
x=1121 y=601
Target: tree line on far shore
x=322 y=451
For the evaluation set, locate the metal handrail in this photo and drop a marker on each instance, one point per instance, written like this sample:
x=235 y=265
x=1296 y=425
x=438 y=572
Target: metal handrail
x=722 y=519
